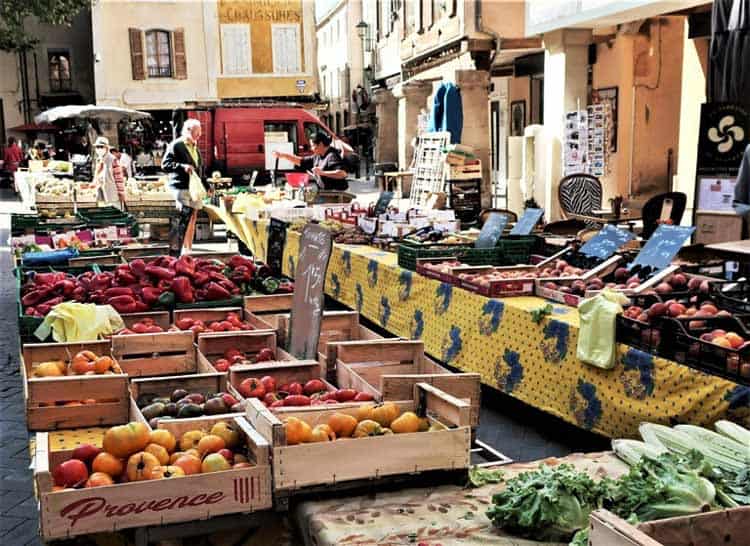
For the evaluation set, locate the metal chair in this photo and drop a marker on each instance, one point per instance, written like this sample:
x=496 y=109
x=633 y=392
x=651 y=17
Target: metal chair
x=579 y=194
x=663 y=208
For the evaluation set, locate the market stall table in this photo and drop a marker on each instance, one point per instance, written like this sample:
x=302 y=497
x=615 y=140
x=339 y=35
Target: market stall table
x=499 y=339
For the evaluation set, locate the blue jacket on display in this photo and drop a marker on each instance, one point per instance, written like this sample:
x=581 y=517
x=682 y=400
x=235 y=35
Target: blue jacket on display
x=447 y=111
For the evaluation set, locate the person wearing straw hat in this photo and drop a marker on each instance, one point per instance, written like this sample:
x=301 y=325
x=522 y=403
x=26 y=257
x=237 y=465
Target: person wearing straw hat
x=104 y=175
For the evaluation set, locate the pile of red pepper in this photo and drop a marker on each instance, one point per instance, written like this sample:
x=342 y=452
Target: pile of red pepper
x=139 y=286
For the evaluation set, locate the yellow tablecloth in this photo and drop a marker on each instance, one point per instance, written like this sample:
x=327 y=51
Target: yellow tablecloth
x=535 y=363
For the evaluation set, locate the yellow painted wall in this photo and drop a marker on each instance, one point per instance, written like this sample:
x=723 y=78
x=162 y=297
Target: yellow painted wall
x=647 y=70
x=260 y=15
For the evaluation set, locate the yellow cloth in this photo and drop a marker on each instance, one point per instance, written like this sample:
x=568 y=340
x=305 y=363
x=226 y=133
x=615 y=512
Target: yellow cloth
x=596 y=339
x=72 y=321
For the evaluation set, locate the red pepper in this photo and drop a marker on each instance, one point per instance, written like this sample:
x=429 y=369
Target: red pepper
x=141 y=307
x=79 y=294
x=96 y=297
x=239 y=261
x=241 y=274
x=161 y=273
x=123 y=304
x=30 y=311
x=44 y=279
x=101 y=281
x=151 y=294
x=183 y=290
x=185 y=265
x=46 y=307
x=118 y=291
x=124 y=278
x=65 y=287
x=31 y=298
x=216 y=276
x=201 y=294
x=286 y=287
x=216 y=292
x=164 y=284
x=209 y=267
x=84 y=279
x=201 y=278
x=138 y=267
x=227 y=285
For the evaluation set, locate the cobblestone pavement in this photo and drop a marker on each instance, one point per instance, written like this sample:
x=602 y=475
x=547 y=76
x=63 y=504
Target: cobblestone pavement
x=518 y=431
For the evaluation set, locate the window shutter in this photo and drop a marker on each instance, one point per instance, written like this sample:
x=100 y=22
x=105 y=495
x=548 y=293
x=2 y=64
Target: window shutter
x=136 y=53
x=178 y=47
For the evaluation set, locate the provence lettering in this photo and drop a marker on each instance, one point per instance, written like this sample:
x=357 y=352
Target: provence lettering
x=91 y=506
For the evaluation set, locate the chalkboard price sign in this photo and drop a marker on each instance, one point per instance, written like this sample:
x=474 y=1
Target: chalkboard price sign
x=529 y=219
x=492 y=230
x=382 y=203
x=663 y=246
x=307 y=303
x=605 y=243
x=275 y=246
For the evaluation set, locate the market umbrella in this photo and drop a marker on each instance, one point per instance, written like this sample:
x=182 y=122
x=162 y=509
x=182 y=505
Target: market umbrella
x=729 y=70
x=89 y=111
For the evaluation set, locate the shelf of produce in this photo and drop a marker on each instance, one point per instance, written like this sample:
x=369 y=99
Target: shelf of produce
x=247 y=344
x=74 y=512
x=331 y=463
x=219 y=314
x=71 y=401
x=389 y=369
x=144 y=390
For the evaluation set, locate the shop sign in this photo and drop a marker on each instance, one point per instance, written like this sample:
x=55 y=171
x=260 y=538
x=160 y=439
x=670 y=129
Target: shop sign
x=663 y=246
x=300 y=85
x=724 y=135
x=289 y=11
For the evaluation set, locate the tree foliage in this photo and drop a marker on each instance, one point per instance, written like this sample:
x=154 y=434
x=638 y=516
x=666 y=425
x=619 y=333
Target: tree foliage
x=13 y=14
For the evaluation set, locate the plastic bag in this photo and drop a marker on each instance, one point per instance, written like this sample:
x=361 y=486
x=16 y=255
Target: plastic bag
x=72 y=321
x=596 y=337
x=196 y=189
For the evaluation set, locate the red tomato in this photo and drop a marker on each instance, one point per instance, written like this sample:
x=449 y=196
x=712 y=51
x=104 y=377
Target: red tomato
x=269 y=383
x=295 y=388
x=184 y=323
x=221 y=365
x=229 y=353
x=363 y=397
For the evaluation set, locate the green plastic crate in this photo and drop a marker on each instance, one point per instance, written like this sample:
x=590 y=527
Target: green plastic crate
x=409 y=253
x=509 y=251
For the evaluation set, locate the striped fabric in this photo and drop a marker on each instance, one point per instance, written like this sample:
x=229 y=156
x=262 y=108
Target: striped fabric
x=580 y=194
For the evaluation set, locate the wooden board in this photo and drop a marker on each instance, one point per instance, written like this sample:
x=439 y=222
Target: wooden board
x=299 y=466
x=196 y=497
x=166 y=353
x=261 y=303
x=730 y=527
x=43 y=395
x=316 y=244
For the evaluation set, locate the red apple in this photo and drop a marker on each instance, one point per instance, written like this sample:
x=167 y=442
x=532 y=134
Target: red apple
x=86 y=453
x=71 y=473
x=227 y=454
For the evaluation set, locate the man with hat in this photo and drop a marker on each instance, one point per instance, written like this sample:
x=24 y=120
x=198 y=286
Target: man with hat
x=104 y=176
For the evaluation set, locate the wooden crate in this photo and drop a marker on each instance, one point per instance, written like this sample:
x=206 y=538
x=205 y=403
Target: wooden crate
x=64 y=514
x=330 y=463
x=131 y=252
x=166 y=353
x=728 y=527
x=267 y=307
x=389 y=369
x=602 y=270
x=213 y=347
x=107 y=259
x=109 y=391
x=163 y=386
x=334 y=326
x=209 y=315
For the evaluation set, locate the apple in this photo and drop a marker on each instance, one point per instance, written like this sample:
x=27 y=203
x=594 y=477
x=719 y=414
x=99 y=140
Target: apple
x=86 y=453
x=663 y=288
x=70 y=473
x=215 y=462
x=676 y=309
x=227 y=454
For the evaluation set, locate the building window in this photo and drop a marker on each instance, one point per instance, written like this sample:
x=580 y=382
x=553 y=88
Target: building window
x=59 y=70
x=158 y=54
x=235 y=50
x=286 y=49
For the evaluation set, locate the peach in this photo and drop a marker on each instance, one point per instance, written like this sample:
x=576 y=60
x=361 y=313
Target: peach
x=734 y=340
x=663 y=288
x=657 y=310
x=722 y=341
x=676 y=309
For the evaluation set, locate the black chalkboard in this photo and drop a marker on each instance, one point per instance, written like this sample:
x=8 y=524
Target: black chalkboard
x=275 y=246
x=492 y=230
x=308 y=299
x=605 y=243
x=663 y=246
x=383 y=201
x=526 y=223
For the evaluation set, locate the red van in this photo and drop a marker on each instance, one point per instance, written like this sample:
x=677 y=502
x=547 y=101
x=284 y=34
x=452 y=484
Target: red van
x=233 y=137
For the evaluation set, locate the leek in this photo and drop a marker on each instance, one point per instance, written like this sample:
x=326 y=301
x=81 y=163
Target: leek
x=734 y=431
x=718 y=449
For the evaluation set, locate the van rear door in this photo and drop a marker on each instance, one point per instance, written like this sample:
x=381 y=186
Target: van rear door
x=242 y=142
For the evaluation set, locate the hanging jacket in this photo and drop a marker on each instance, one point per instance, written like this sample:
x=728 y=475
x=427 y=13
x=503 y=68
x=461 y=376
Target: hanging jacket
x=447 y=111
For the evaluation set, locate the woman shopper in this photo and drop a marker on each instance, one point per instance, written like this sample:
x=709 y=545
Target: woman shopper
x=183 y=160
x=104 y=175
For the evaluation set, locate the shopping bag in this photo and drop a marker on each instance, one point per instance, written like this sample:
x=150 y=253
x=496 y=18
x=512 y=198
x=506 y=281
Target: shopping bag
x=596 y=336
x=196 y=189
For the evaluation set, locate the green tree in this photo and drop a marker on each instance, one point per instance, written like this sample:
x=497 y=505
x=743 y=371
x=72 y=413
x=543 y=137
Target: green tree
x=13 y=13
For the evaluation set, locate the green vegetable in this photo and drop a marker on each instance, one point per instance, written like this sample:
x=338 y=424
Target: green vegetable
x=550 y=503
x=631 y=451
x=537 y=315
x=166 y=299
x=734 y=431
x=719 y=451
x=481 y=476
x=664 y=487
